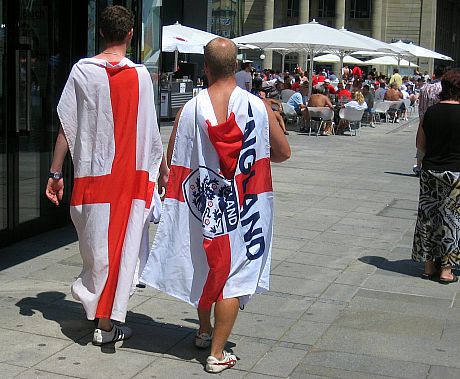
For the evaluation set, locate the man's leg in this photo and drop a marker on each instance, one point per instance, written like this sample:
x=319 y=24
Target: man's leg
x=205 y=321
x=225 y=313
x=105 y=324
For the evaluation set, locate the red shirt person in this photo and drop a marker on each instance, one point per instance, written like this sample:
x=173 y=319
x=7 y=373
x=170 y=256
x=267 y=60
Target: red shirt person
x=357 y=72
x=342 y=93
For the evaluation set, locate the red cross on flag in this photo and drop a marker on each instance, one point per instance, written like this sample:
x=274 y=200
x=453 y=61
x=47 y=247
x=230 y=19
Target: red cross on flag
x=108 y=116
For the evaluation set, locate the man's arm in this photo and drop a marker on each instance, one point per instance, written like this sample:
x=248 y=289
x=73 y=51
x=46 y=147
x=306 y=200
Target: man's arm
x=279 y=146
x=328 y=103
x=420 y=140
x=172 y=139
x=163 y=177
x=55 y=188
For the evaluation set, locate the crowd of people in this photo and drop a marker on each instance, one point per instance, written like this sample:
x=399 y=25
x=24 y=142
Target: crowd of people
x=293 y=89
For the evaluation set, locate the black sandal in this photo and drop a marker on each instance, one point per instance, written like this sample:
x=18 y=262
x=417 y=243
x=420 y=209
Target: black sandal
x=432 y=276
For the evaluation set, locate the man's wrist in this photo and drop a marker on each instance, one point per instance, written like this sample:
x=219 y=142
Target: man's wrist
x=55 y=175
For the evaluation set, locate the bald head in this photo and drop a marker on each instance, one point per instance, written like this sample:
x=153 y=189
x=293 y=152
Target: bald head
x=220 y=57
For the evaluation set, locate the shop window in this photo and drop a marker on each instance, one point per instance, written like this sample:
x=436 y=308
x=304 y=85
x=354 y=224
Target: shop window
x=226 y=18
x=326 y=8
x=293 y=8
x=360 y=9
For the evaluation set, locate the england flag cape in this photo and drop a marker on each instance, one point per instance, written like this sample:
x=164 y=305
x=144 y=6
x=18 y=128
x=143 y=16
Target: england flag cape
x=108 y=116
x=215 y=234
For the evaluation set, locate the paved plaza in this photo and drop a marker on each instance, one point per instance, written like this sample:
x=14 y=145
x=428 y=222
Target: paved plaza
x=345 y=302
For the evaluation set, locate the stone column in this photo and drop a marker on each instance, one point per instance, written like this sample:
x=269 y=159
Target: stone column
x=304 y=17
x=339 y=13
x=339 y=24
x=428 y=32
x=269 y=13
x=377 y=12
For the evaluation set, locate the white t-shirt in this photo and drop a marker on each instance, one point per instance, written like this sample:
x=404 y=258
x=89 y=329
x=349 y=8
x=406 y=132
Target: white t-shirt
x=242 y=77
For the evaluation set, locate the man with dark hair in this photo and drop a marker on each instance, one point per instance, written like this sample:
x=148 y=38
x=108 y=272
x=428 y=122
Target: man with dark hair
x=108 y=124
x=115 y=23
x=213 y=244
x=243 y=77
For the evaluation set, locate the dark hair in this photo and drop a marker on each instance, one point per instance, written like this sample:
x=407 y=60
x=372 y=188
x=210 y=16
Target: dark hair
x=439 y=71
x=395 y=71
x=450 y=84
x=115 y=23
x=382 y=85
x=366 y=86
x=245 y=65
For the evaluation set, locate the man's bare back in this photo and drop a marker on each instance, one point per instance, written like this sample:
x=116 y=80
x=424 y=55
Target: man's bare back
x=318 y=100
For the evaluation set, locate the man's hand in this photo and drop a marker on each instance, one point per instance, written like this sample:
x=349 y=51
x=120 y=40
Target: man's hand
x=55 y=190
x=163 y=182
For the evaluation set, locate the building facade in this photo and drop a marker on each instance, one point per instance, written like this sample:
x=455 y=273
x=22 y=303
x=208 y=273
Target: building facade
x=429 y=23
x=40 y=40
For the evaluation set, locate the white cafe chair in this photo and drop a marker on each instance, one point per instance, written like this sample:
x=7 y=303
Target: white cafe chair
x=354 y=117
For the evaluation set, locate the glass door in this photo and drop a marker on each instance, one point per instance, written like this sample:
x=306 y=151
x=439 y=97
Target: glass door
x=3 y=156
x=42 y=65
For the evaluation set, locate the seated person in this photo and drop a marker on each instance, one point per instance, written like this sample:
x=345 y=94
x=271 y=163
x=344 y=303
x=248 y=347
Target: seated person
x=393 y=94
x=286 y=92
x=298 y=103
x=380 y=92
x=318 y=99
x=329 y=88
x=342 y=93
x=295 y=86
x=277 y=109
x=358 y=103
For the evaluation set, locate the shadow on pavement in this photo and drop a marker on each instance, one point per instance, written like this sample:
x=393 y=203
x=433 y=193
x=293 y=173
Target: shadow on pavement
x=403 y=266
x=148 y=335
x=35 y=246
x=400 y=174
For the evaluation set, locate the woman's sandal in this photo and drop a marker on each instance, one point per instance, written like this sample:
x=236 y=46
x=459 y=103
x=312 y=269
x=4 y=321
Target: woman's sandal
x=448 y=281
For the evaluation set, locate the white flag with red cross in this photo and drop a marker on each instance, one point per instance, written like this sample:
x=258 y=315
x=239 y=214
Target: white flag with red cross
x=108 y=116
x=215 y=234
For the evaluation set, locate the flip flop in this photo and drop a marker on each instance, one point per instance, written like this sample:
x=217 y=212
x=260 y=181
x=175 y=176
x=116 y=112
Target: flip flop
x=448 y=281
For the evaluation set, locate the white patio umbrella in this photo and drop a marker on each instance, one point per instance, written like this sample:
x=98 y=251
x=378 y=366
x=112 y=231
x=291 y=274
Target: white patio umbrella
x=312 y=38
x=178 y=38
x=420 y=52
x=389 y=60
x=332 y=58
x=374 y=44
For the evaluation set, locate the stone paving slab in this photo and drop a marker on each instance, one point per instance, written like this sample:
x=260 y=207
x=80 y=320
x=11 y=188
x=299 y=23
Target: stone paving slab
x=346 y=301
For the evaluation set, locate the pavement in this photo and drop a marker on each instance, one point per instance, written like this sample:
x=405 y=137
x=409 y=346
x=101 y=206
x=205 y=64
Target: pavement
x=346 y=301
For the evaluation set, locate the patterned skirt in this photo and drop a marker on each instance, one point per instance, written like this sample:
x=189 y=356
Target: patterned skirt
x=437 y=231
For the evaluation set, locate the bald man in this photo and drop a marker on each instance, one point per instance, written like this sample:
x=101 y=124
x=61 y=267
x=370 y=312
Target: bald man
x=213 y=244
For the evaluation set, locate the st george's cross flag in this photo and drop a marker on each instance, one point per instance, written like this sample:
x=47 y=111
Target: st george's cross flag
x=215 y=234
x=108 y=116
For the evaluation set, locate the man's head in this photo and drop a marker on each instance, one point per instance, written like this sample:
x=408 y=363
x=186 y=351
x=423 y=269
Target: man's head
x=246 y=66
x=220 y=58
x=303 y=88
x=394 y=86
x=116 y=24
x=366 y=89
x=439 y=71
x=395 y=71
